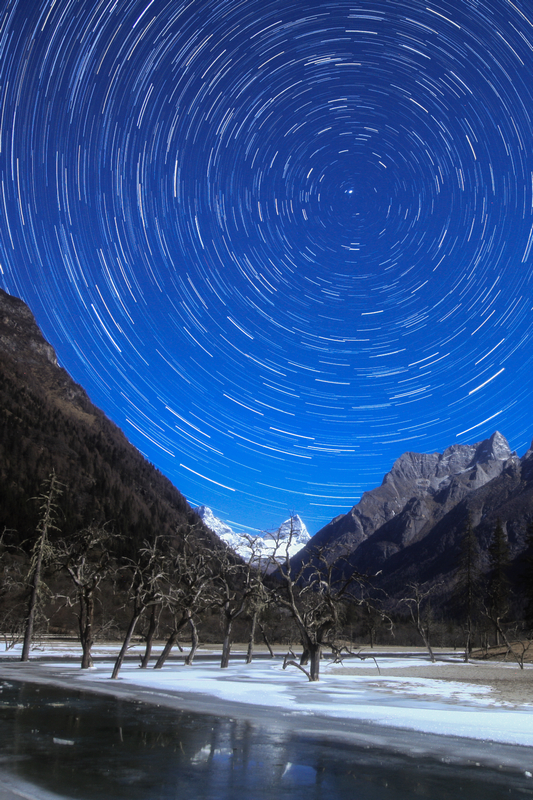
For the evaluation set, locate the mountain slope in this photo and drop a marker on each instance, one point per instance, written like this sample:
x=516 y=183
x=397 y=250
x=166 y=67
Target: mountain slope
x=47 y=422
x=508 y=498
x=419 y=489
x=409 y=528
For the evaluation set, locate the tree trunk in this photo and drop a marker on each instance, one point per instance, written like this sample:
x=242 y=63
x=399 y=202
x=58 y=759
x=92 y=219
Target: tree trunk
x=149 y=638
x=46 y=521
x=171 y=641
x=425 y=639
x=468 y=640
x=304 y=658
x=125 y=644
x=32 y=605
x=194 y=643
x=263 y=634
x=226 y=644
x=250 y=653
x=314 y=667
x=86 y=629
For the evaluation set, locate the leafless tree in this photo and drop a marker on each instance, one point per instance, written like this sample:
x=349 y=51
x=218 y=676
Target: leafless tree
x=240 y=589
x=417 y=601
x=146 y=577
x=87 y=558
x=41 y=553
x=516 y=642
x=189 y=590
x=257 y=603
x=315 y=595
x=235 y=584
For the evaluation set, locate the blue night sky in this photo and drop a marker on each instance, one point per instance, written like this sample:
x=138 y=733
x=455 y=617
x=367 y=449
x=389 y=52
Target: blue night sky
x=279 y=243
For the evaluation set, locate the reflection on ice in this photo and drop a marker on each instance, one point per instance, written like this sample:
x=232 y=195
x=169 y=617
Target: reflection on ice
x=208 y=752
x=299 y=773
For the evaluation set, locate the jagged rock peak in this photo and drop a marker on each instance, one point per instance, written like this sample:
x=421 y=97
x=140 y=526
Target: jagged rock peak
x=529 y=454
x=435 y=467
x=295 y=528
x=438 y=480
x=495 y=448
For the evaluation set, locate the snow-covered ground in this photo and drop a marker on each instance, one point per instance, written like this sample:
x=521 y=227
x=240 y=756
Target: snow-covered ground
x=477 y=700
x=431 y=706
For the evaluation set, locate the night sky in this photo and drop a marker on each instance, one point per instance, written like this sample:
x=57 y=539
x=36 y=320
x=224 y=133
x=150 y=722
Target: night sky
x=278 y=242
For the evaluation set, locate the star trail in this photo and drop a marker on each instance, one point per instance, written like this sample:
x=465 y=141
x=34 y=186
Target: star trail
x=279 y=243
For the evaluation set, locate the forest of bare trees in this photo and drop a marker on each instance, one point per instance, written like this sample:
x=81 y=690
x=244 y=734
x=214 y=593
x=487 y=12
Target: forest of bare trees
x=180 y=590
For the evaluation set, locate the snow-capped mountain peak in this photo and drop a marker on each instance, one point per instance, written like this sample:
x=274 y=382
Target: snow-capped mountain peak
x=289 y=538
x=293 y=528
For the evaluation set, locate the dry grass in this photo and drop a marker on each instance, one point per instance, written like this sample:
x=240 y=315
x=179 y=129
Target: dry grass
x=522 y=648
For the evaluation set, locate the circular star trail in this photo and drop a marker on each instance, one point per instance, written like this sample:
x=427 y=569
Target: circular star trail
x=279 y=243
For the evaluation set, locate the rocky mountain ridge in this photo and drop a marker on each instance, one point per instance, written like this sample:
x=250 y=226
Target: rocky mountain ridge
x=431 y=483
x=19 y=333
x=409 y=528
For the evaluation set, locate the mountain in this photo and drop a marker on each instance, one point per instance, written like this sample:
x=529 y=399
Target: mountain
x=48 y=423
x=434 y=557
x=409 y=528
x=292 y=535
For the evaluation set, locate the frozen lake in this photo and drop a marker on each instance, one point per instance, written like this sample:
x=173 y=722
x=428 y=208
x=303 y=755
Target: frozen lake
x=78 y=745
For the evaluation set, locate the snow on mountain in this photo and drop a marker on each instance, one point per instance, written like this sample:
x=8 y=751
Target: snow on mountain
x=215 y=524
x=291 y=536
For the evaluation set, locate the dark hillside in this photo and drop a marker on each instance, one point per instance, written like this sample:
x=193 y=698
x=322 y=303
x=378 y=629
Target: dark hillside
x=47 y=422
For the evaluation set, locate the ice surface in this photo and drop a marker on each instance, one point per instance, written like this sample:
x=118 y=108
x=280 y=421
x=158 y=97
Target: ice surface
x=448 y=708
x=357 y=690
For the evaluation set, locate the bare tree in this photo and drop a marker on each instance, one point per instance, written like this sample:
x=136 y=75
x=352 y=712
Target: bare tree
x=369 y=613
x=145 y=589
x=41 y=553
x=315 y=595
x=518 y=645
x=87 y=559
x=235 y=583
x=257 y=603
x=418 y=603
x=190 y=569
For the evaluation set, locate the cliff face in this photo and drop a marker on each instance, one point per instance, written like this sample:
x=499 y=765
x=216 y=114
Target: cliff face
x=418 y=491
x=20 y=335
x=434 y=555
x=34 y=359
x=409 y=529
